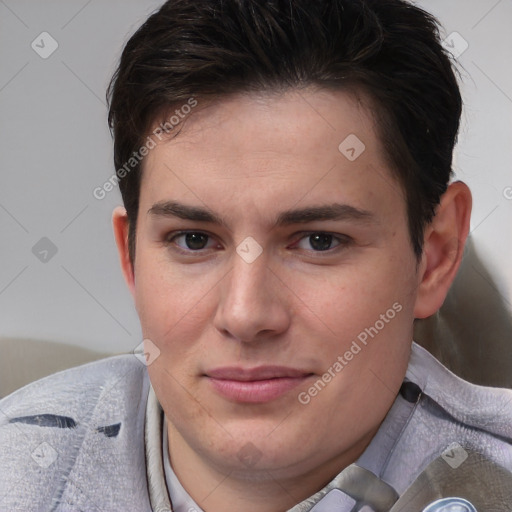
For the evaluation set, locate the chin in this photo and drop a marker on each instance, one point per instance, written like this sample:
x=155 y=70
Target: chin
x=258 y=449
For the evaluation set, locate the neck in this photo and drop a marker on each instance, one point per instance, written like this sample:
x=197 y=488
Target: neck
x=231 y=489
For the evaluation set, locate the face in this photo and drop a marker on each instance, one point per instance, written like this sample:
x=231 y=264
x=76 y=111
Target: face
x=274 y=273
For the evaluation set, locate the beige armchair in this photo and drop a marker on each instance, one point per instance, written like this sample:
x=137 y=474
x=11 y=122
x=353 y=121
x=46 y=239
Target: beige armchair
x=23 y=361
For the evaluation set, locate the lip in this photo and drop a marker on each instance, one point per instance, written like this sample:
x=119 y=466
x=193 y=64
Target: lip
x=255 y=385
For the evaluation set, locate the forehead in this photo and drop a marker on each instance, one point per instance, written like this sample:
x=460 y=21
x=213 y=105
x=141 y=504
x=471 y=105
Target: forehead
x=269 y=150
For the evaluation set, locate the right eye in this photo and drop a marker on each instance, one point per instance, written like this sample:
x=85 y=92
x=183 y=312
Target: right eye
x=191 y=241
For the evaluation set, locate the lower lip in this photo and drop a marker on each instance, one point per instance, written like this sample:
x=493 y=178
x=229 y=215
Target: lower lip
x=256 y=391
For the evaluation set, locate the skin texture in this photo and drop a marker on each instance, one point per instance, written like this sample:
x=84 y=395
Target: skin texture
x=247 y=159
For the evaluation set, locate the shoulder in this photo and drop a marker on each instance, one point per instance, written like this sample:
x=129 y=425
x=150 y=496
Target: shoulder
x=456 y=440
x=73 y=391
x=483 y=408
x=444 y=438
x=66 y=436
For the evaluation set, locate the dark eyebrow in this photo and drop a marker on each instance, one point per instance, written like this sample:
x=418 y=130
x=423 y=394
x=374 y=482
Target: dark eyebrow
x=298 y=216
x=182 y=211
x=334 y=211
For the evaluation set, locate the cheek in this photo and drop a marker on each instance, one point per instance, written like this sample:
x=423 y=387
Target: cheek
x=171 y=304
x=345 y=300
x=365 y=315
x=363 y=325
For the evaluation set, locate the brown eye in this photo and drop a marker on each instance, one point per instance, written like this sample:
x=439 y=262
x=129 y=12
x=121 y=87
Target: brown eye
x=196 y=241
x=192 y=241
x=319 y=242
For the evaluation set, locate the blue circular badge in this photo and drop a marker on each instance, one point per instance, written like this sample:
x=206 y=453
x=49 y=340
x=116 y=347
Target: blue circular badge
x=450 y=505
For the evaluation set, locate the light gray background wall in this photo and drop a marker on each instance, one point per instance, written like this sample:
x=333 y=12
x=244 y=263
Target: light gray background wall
x=56 y=148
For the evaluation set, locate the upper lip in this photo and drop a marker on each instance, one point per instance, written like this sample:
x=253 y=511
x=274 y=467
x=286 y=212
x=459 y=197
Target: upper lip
x=254 y=374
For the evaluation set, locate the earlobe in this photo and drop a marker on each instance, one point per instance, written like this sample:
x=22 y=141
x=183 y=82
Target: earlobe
x=443 y=249
x=120 y=224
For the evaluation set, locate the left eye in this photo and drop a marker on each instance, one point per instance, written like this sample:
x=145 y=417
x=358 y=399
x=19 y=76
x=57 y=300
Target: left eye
x=319 y=242
x=192 y=241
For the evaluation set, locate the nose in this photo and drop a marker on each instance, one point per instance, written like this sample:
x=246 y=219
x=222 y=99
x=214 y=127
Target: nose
x=252 y=305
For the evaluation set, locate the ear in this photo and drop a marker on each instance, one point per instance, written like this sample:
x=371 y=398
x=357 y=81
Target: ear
x=120 y=224
x=443 y=249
